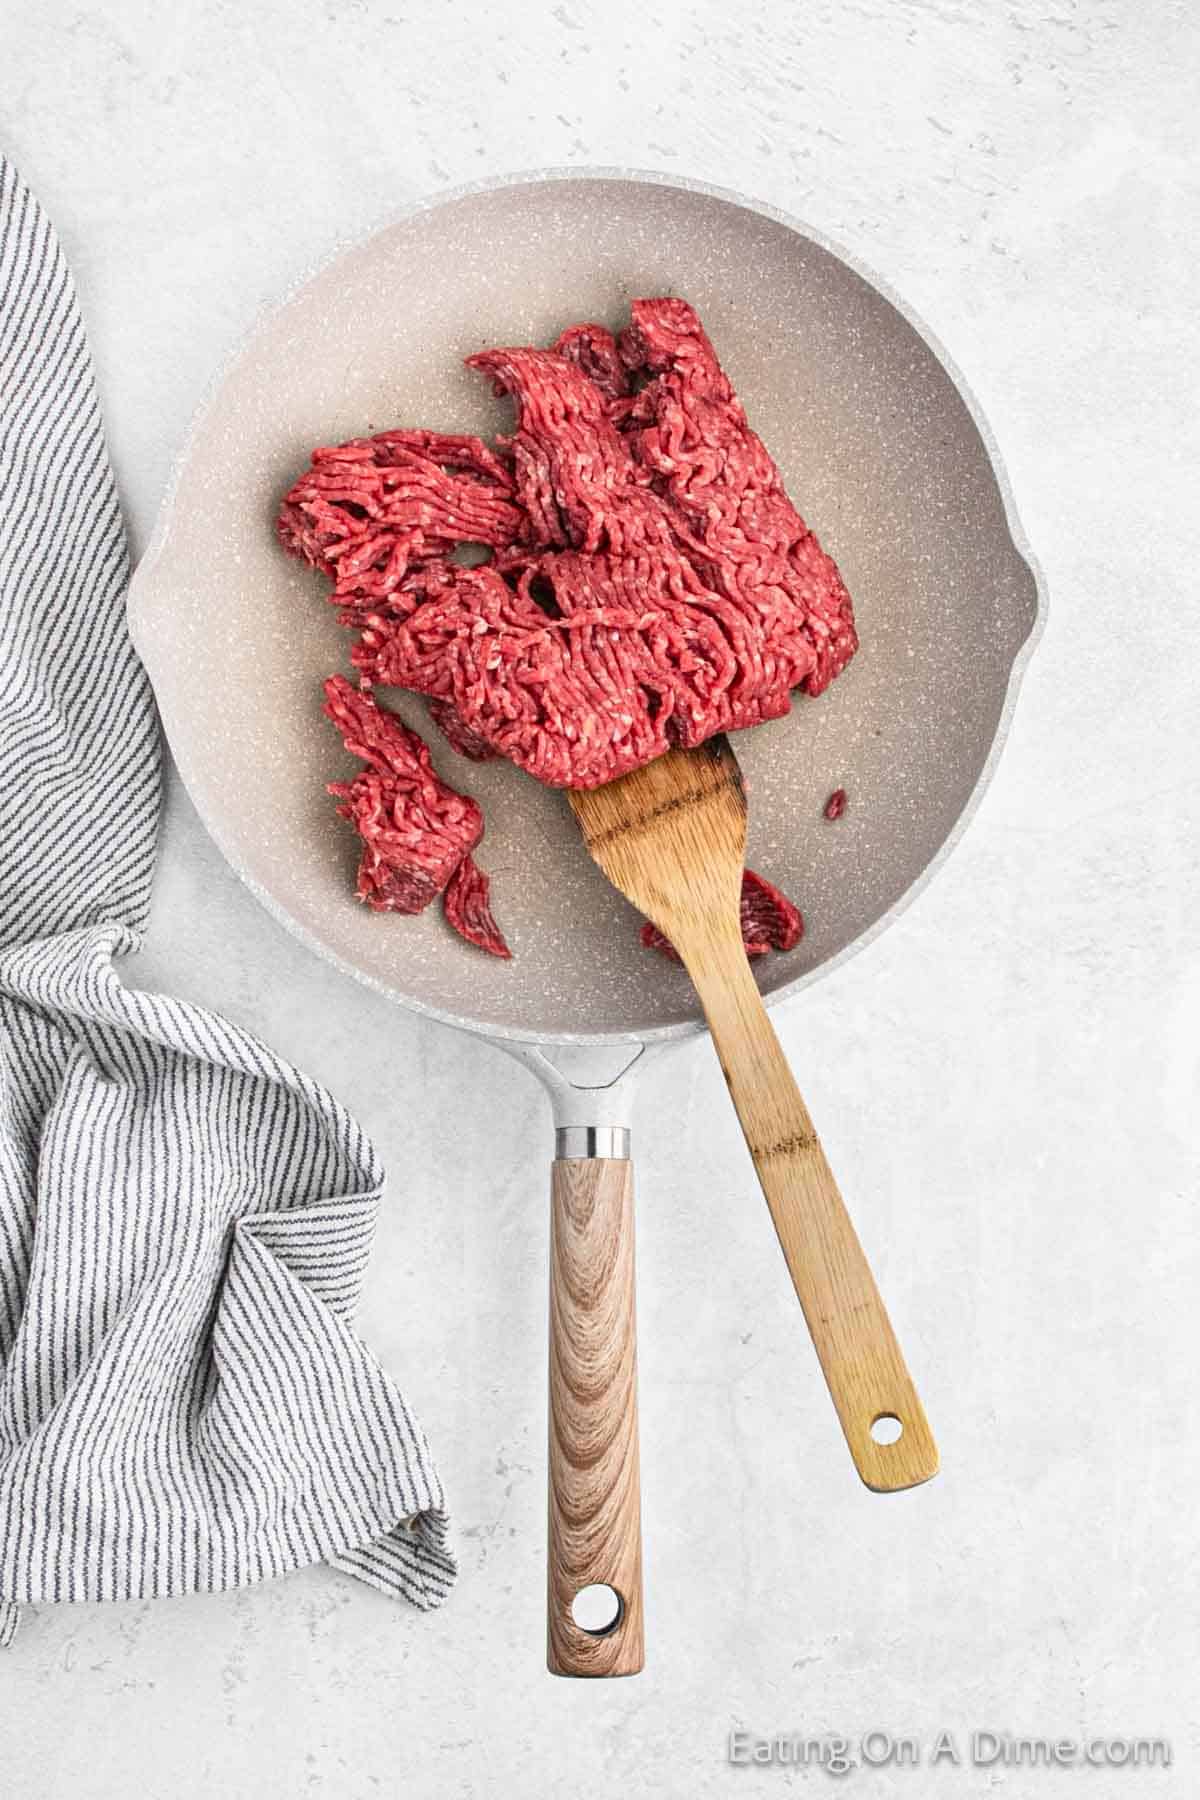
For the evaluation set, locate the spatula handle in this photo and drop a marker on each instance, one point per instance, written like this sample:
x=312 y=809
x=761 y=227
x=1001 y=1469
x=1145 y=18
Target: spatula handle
x=850 y=1328
x=595 y=1498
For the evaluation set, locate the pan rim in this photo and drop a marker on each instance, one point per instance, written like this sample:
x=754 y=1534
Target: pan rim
x=141 y=585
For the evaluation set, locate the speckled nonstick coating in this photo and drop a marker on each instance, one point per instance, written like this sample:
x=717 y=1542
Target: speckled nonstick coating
x=878 y=446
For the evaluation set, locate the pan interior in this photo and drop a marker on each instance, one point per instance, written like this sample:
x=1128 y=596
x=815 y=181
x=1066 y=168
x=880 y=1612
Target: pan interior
x=876 y=446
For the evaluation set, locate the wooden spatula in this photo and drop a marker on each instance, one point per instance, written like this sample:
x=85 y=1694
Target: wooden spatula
x=672 y=838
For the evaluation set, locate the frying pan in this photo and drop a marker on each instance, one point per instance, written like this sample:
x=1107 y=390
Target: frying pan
x=890 y=462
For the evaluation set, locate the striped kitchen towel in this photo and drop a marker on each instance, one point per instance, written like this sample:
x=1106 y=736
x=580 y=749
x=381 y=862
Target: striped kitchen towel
x=184 y=1218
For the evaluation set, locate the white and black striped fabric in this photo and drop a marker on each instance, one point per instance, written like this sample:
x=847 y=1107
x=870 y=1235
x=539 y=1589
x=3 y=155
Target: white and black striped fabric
x=184 y=1218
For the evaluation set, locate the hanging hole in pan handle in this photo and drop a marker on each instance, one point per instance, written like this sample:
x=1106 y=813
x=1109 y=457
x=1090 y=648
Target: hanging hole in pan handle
x=598 y=1609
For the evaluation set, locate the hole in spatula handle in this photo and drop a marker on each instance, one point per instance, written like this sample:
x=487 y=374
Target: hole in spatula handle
x=887 y=1429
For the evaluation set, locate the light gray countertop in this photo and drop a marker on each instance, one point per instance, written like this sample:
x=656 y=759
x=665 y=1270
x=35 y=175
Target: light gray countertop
x=1007 y=1081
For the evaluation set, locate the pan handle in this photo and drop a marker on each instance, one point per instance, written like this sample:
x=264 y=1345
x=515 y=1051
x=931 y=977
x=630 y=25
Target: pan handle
x=595 y=1529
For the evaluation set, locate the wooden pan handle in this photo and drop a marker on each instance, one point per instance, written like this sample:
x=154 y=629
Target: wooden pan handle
x=595 y=1500
x=850 y=1328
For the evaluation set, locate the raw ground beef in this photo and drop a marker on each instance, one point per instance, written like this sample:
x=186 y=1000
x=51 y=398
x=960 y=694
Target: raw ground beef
x=369 y=512
x=769 y=921
x=835 y=806
x=457 y=733
x=416 y=832
x=646 y=581
x=661 y=588
x=466 y=905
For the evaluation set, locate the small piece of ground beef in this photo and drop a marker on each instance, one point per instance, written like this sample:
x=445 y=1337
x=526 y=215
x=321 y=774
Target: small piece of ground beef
x=415 y=829
x=835 y=806
x=465 y=904
x=769 y=921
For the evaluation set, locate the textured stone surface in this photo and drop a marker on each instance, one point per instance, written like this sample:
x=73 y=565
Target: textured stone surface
x=1007 y=1081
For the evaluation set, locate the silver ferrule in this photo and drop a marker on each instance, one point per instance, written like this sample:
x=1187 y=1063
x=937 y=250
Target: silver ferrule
x=579 y=1143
